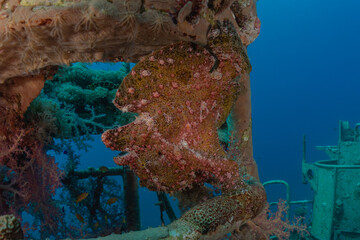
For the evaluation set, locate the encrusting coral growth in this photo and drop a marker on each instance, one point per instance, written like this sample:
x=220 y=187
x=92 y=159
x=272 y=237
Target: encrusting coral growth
x=183 y=93
x=37 y=33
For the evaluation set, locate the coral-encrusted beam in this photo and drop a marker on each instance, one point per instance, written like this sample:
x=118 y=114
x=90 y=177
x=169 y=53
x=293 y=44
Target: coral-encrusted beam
x=240 y=129
x=38 y=33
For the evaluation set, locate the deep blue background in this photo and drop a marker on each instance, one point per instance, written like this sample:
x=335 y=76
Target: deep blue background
x=305 y=78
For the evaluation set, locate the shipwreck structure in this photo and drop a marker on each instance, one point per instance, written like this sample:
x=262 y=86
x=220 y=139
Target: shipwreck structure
x=336 y=186
x=201 y=43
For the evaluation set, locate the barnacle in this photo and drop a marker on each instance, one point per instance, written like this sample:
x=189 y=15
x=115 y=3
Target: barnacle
x=128 y=21
x=127 y=18
x=28 y=27
x=57 y=22
x=160 y=22
x=10 y=30
x=88 y=20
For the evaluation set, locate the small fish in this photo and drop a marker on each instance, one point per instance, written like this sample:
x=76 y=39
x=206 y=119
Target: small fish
x=106 y=218
x=81 y=197
x=96 y=225
x=79 y=217
x=111 y=201
x=123 y=220
x=103 y=169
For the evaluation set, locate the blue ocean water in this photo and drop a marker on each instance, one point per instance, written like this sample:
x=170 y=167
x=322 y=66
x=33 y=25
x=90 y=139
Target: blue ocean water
x=305 y=78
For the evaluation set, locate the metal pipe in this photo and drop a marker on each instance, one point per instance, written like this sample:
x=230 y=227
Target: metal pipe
x=304 y=149
x=287 y=192
x=324 y=164
x=294 y=202
x=357 y=132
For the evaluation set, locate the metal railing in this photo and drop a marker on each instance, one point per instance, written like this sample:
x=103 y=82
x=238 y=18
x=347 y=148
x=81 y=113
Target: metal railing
x=288 y=201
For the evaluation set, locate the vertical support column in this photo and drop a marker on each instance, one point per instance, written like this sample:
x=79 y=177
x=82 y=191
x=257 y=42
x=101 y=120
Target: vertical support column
x=240 y=128
x=131 y=199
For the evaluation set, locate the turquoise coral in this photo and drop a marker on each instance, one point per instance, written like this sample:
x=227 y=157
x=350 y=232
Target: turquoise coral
x=76 y=101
